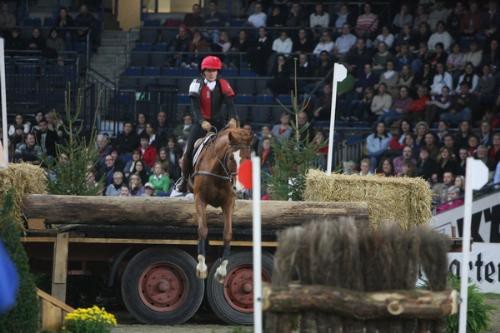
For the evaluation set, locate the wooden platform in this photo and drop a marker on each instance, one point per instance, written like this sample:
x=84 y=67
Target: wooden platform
x=53 y=311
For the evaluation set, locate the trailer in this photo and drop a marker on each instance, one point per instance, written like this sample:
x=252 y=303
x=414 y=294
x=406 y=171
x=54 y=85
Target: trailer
x=145 y=248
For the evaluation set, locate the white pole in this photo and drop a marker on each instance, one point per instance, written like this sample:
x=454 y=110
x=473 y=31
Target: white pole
x=339 y=74
x=3 y=96
x=257 y=250
x=476 y=176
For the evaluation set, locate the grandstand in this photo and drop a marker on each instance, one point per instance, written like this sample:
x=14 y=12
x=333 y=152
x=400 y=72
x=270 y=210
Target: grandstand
x=419 y=72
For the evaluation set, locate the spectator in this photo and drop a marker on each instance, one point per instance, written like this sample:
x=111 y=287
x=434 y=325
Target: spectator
x=148 y=151
x=114 y=189
x=343 y=17
x=182 y=131
x=431 y=145
x=441 y=79
x=266 y=156
x=405 y=37
x=359 y=55
x=258 y=18
x=440 y=190
x=472 y=145
x=174 y=155
x=402 y=18
x=454 y=21
x=420 y=17
x=15 y=140
x=399 y=161
x=160 y=180
x=223 y=44
x=404 y=57
x=141 y=171
x=283 y=130
x=129 y=168
x=471 y=21
x=36 y=43
x=345 y=42
x=180 y=44
x=381 y=58
x=464 y=132
x=438 y=105
x=442 y=131
x=321 y=145
x=417 y=106
x=364 y=168
x=194 y=18
x=385 y=37
x=46 y=139
x=366 y=80
x=280 y=83
x=460 y=183
x=405 y=129
x=474 y=55
x=406 y=77
x=319 y=18
x=438 y=14
x=381 y=102
x=390 y=78
x=163 y=159
x=426 y=166
x=485 y=137
x=29 y=151
x=422 y=36
x=263 y=50
x=303 y=70
x=482 y=155
x=87 y=24
x=19 y=122
x=440 y=36
x=438 y=55
x=163 y=129
x=446 y=162
x=362 y=109
x=276 y=19
x=462 y=161
x=135 y=186
x=491 y=56
x=240 y=44
x=469 y=77
x=295 y=16
x=325 y=44
x=494 y=152
x=64 y=20
x=7 y=20
x=38 y=117
x=15 y=41
x=453 y=200
x=54 y=43
x=283 y=44
x=302 y=44
x=386 y=168
x=367 y=23
x=198 y=44
x=214 y=18
x=400 y=107
x=377 y=144
x=140 y=125
x=486 y=87
x=124 y=191
x=464 y=107
x=149 y=190
x=491 y=19
x=126 y=142
x=421 y=129
x=456 y=60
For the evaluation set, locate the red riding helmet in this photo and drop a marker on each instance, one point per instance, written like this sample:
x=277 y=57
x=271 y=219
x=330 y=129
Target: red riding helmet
x=211 y=62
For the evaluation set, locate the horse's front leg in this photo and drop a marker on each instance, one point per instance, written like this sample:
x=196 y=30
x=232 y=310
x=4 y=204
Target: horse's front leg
x=201 y=217
x=227 y=211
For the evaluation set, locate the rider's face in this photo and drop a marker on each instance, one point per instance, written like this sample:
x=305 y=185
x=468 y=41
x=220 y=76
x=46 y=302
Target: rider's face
x=210 y=74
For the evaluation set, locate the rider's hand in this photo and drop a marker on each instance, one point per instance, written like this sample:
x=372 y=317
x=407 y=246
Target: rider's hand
x=232 y=123
x=206 y=125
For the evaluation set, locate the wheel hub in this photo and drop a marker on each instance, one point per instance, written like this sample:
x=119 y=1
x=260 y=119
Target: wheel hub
x=238 y=288
x=162 y=287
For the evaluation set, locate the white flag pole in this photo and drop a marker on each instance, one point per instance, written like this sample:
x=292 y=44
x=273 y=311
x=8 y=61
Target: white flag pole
x=476 y=176
x=4 y=145
x=339 y=74
x=257 y=250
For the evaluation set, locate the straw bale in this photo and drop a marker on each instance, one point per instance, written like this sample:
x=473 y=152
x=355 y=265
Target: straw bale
x=24 y=179
x=402 y=199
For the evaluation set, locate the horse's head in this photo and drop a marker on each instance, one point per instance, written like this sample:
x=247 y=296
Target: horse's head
x=240 y=140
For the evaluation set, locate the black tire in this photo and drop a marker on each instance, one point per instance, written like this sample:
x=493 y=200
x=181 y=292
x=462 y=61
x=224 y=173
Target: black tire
x=215 y=291
x=175 y=260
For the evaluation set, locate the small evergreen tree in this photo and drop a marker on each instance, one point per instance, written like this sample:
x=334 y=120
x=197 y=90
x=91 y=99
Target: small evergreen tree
x=23 y=318
x=292 y=157
x=77 y=155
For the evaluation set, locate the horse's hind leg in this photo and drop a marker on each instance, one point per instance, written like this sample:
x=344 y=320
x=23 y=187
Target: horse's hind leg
x=221 y=272
x=201 y=216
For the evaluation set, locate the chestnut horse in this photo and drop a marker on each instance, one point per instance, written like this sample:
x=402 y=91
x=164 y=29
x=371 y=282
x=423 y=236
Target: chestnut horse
x=212 y=184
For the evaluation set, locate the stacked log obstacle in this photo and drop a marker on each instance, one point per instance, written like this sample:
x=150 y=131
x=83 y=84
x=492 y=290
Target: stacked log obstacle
x=57 y=209
x=340 y=277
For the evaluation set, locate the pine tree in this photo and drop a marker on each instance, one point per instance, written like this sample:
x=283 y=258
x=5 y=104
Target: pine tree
x=292 y=157
x=77 y=155
x=23 y=318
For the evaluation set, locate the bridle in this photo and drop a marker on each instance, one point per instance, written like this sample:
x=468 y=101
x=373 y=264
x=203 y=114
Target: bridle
x=227 y=175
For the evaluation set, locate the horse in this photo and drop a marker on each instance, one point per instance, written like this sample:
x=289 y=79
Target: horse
x=212 y=184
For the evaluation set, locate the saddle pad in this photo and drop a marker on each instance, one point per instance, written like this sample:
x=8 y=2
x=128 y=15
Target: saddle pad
x=200 y=144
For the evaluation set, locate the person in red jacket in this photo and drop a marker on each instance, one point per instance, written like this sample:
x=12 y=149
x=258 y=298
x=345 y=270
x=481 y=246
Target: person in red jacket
x=148 y=152
x=207 y=93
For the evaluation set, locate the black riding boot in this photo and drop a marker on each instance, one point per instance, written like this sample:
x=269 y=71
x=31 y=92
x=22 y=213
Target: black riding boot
x=181 y=185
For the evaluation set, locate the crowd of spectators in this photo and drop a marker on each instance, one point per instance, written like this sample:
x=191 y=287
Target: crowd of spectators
x=63 y=35
x=428 y=81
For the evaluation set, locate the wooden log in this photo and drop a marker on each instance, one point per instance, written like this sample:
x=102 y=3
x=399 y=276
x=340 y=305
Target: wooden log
x=57 y=209
x=422 y=304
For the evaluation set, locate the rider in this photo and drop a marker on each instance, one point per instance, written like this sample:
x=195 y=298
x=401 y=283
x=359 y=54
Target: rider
x=208 y=93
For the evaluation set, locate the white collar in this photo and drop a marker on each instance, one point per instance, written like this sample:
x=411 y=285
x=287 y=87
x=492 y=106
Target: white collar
x=210 y=85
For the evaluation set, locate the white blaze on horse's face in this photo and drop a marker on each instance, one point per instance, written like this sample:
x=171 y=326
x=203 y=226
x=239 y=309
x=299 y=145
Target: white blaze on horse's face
x=237 y=158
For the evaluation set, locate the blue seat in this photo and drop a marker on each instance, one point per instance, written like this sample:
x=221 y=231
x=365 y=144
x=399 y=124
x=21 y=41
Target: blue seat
x=132 y=71
x=158 y=59
x=260 y=114
x=144 y=82
x=171 y=71
x=237 y=23
x=243 y=113
x=245 y=86
x=228 y=72
x=127 y=82
x=142 y=47
x=48 y=22
x=148 y=35
x=161 y=47
x=152 y=23
x=285 y=99
x=151 y=71
x=247 y=72
x=189 y=72
x=354 y=139
x=183 y=99
x=26 y=69
x=139 y=59
x=80 y=47
x=264 y=99
x=244 y=99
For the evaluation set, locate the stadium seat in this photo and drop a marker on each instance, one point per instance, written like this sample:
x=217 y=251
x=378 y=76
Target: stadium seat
x=260 y=114
x=132 y=71
x=145 y=82
x=243 y=113
x=285 y=99
x=148 y=35
x=139 y=59
x=229 y=72
x=151 y=71
x=276 y=112
x=160 y=47
x=48 y=22
x=171 y=72
x=244 y=99
x=152 y=23
x=247 y=72
x=264 y=99
x=127 y=82
x=261 y=86
x=167 y=81
x=183 y=99
x=189 y=72
x=168 y=34
x=245 y=86
x=354 y=139
x=143 y=47
x=183 y=84
x=158 y=59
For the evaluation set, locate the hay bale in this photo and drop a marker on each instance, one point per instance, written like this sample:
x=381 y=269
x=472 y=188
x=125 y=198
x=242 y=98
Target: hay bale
x=402 y=199
x=24 y=179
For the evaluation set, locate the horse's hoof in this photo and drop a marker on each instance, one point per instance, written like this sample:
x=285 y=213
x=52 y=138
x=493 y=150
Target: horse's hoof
x=221 y=272
x=201 y=268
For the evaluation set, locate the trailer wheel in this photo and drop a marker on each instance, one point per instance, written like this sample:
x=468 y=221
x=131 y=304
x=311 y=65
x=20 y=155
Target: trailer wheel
x=232 y=301
x=159 y=286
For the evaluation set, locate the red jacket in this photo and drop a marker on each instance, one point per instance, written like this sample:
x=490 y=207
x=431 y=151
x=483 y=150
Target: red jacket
x=149 y=156
x=419 y=105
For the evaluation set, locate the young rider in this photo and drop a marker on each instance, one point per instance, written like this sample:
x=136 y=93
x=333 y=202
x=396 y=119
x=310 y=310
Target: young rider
x=208 y=94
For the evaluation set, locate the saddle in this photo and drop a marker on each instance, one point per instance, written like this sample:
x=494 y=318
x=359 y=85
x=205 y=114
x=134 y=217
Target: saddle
x=200 y=144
